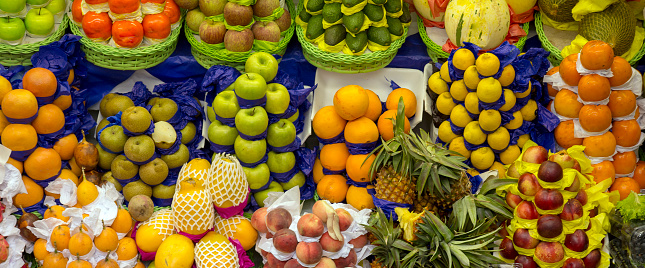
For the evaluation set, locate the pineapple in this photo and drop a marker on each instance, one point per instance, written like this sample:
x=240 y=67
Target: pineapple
x=391 y=186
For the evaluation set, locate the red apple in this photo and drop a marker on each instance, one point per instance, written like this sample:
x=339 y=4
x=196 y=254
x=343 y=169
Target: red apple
x=156 y=26
x=572 y=210
x=512 y=199
x=564 y=159
x=548 y=199
x=577 y=241
x=549 y=226
x=97 y=26
x=526 y=261
x=523 y=239
x=592 y=259
x=573 y=263
x=526 y=210
x=127 y=33
x=528 y=184
x=124 y=6
x=535 y=154
x=550 y=171
x=582 y=197
x=575 y=185
x=507 y=249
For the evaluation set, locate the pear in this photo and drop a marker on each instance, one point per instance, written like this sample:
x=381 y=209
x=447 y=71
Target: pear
x=102 y=124
x=136 y=119
x=154 y=172
x=139 y=148
x=123 y=169
x=164 y=135
x=105 y=158
x=163 y=191
x=104 y=102
x=177 y=159
x=136 y=188
x=113 y=138
x=188 y=133
x=163 y=109
x=108 y=178
x=115 y=103
x=153 y=101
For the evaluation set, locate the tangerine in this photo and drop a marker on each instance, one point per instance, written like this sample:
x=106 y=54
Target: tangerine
x=40 y=81
x=358 y=167
x=564 y=135
x=19 y=104
x=60 y=237
x=593 y=87
x=622 y=71
x=621 y=103
x=43 y=164
x=351 y=102
x=374 y=109
x=386 y=125
x=19 y=137
x=596 y=55
x=600 y=146
x=65 y=146
x=566 y=104
x=5 y=87
x=359 y=198
x=625 y=163
x=602 y=171
x=409 y=101
x=327 y=123
x=334 y=156
x=627 y=132
x=33 y=196
x=551 y=90
x=595 y=118
x=360 y=131
x=318 y=171
x=625 y=186
x=63 y=102
x=127 y=249
x=568 y=70
x=50 y=119
x=332 y=188
x=77 y=11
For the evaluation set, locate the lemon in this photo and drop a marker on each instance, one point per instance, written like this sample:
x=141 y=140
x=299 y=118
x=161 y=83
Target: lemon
x=482 y=158
x=457 y=145
x=463 y=58
x=509 y=99
x=517 y=121
x=508 y=76
x=523 y=139
x=499 y=139
x=489 y=90
x=472 y=103
x=445 y=103
x=490 y=120
x=473 y=134
x=487 y=64
x=459 y=116
x=471 y=77
x=436 y=84
x=509 y=155
x=529 y=110
x=445 y=74
x=499 y=167
x=524 y=93
x=473 y=172
x=458 y=90
x=445 y=132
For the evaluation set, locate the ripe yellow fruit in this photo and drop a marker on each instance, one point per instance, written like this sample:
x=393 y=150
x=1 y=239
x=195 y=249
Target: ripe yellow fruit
x=473 y=134
x=214 y=250
x=445 y=132
x=509 y=155
x=517 y=121
x=482 y=158
x=529 y=110
x=459 y=116
x=177 y=251
x=351 y=102
x=463 y=58
x=445 y=73
x=487 y=64
x=227 y=185
x=192 y=206
x=472 y=103
x=445 y=103
x=524 y=93
x=436 y=84
x=489 y=90
x=458 y=90
x=499 y=139
x=471 y=77
x=237 y=227
x=523 y=139
x=509 y=100
x=152 y=232
x=457 y=145
x=490 y=120
x=508 y=76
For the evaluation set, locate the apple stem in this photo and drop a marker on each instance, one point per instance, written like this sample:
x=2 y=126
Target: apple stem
x=40 y=9
x=253 y=111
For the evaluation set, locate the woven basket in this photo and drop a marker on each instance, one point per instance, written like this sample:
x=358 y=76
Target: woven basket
x=207 y=56
x=435 y=52
x=21 y=54
x=556 y=54
x=127 y=59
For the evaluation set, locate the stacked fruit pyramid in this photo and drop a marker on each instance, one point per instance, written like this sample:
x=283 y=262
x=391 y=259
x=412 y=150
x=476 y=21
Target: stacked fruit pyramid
x=485 y=104
x=595 y=95
x=349 y=130
x=560 y=212
x=353 y=26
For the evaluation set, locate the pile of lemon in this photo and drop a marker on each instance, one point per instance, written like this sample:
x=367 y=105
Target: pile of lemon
x=463 y=101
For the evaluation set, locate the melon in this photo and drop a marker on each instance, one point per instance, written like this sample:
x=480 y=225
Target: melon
x=615 y=25
x=484 y=23
x=558 y=10
x=423 y=9
x=521 y=6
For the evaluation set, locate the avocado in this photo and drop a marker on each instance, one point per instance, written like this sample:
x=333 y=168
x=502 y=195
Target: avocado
x=405 y=17
x=373 y=12
x=394 y=26
x=331 y=12
x=558 y=10
x=315 y=5
x=351 y=3
x=379 y=35
x=335 y=34
x=314 y=27
x=354 y=22
x=393 y=6
x=356 y=43
x=615 y=25
x=304 y=16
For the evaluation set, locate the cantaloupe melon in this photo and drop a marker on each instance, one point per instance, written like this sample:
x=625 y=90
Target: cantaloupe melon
x=557 y=10
x=423 y=9
x=484 y=23
x=615 y=25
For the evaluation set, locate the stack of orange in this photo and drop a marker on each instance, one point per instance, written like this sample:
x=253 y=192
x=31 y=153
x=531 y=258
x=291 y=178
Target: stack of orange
x=605 y=109
x=357 y=118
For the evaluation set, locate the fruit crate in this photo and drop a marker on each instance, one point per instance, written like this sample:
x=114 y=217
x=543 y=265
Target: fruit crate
x=21 y=54
x=435 y=52
x=128 y=59
x=207 y=56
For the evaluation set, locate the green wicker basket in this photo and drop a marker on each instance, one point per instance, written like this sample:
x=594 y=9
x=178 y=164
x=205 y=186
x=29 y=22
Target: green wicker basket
x=435 y=52
x=207 y=56
x=127 y=59
x=21 y=54
x=556 y=54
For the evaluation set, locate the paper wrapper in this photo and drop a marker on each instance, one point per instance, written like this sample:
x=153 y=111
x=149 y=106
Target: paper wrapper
x=17 y=244
x=66 y=189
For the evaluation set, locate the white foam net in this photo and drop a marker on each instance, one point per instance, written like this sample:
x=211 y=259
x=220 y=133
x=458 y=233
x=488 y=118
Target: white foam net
x=228 y=227
x=227 y=182
x=192 y=212
x=210 y=254
x=162 y=221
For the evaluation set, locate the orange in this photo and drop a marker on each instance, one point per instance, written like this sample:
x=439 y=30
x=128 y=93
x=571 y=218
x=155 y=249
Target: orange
x=40 y=249
x=3 y=122
x=49 y=120
x=33 y=196
x=78 y=263
x=67 y=174
x=63 y=102
x=603 y=170
x=5 y=86
x=17 y=164
x=74 y=167
x=627 y=132
x=332 y=188
x=55 y=212
x=568 y=70
x=351 y=102
x=600 y=146
x=40 y=81
x=127 y=249
x=595 y=118
x=548 y=107
x=43 y=164
x=60 y=237
x=552 y=91
x=327 y=123
x=19 y=104
x=596 y=55
x=593 y=87
x=358 y=197
x=70 y=77
x=245 y=233
x=374 y=109
x=123 y=221
x=318 y=171
x=625 y=186
x=409 y=100
x=625 y=163
x=65 y=146
x=107 y=240
x=19 y=137
x=361 y=130
x=566 y=104
x=639 y=174
x=622 y=102
x=80 y=244
x=358 y=167
x=622 y=72
x=386 y=124
x=139 y=265
x=334 y=156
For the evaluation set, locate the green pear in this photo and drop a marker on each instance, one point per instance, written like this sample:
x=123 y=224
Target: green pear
x=107 y=177
x=163 y=191
x=177 y=159
x=153 y=172
x=136 y=188
x=113 y=138
x=163 y=109
x=136 y=119
x=298 y=180
x=115 y=104
x=104 y=102
x=123 y=169
x=188 y=133
x=139 y=148
x=105 y=158
x=164 y=135
x=102 y=124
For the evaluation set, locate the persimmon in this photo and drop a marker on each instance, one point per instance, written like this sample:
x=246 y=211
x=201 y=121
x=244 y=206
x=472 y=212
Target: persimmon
x=97 y=26
x=127 y=33
x=156 y=26
x=596 y=55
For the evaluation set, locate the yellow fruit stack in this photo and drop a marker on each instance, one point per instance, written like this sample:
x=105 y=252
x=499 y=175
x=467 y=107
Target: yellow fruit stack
x=214 y=250
x=155 y=230
x=192 y=206
x=227 y=184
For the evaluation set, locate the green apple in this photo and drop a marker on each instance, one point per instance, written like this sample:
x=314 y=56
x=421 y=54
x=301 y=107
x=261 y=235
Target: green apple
x=36 y=2
x=230 y=87
x=188 y=133
x=262 y=195
x=113 y=138
x=210 y=112
x=12 y=6
x=163 y=109
x=257 y=176
x=39 y=21
x=262 y=63
x=221 y=134
x=294 y=117
x=253 y=121
x=250 y=86
x=297 y=180
x=56 y=6
x=105 y=158
x=277 y=98
x=281 y=162
x=225 y=104
x=12 y=29
x=177 y=159
x=281 y=133
x=136 y=119
x=139 y=148
x=250 y=151
x=164 y=135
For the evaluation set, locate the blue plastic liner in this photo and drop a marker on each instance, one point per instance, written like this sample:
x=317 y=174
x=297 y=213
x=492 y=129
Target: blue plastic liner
x=340 y=138
x=172 y=149
x=173 y=174
x=21 y=120
x=333 y=172
x=264 y=187
x=139 y=94
x=126 y=181
x=155 y=155
x=216 y=148
x=287 y=148
x=218 y=78
x=245 y=104
x=161 y=202
x=258 y=137
x=362 y=148
x=387 y=206
x=226 y=121
x=114 y=120
x=506 y=53
x=263 y=160
x=358 y=183
x=44 y=183
x=38 y=207
x=285 y=176
x=22 y=155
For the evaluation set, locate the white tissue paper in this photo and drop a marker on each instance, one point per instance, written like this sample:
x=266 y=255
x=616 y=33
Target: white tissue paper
x=66 y=189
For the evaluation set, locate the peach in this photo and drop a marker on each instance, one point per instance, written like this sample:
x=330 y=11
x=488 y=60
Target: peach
x=526 y=210
x=573 y=263
x=550 y=171
x=550 y=252
x=345 y=219
x=272 y=262
x=507 y=250
x=278 y=219
x=563 y=159
x=349 y=261
x=285 y=240
x=513 y=200
x=319 y=209
x=310 y=225
x=577 y=241
x=548 y=199
x=293 y=263
x=309 y=252
x=258 y=220
x=523 y=239
x=528 y=184
x=263 y=252
x=326 y=263
x=503 y=232
x=593 y=212
x=512 y=171
x=572 y=210
x=535 y=154
x=592 y=259
x=549 y=226
x=329 y=244
x=575 y=185
x=582 y=197
x=526 y=261
x=359 y=242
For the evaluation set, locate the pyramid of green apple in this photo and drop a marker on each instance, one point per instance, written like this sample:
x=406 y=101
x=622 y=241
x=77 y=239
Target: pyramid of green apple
x=35 y=18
